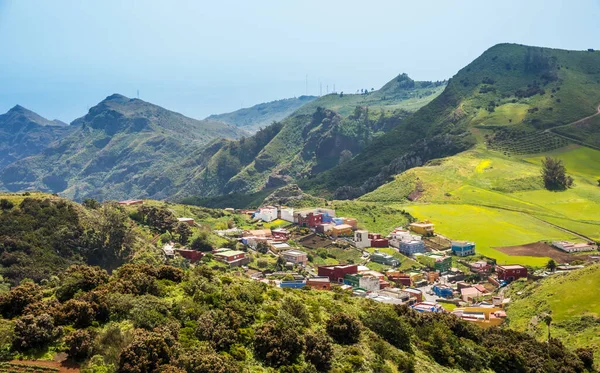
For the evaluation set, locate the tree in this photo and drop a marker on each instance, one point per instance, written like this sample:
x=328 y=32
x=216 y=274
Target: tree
x=91 y=203
x=33 y=332
x=343 y=328
x=345 y=156
x=277 y=344
x=554 y=174
x=318 y=351
x=262 y=247
x=280 y=264
x=145 y=354
x=201 y=243
x=6 y=204
x=207 y=361
x=184 y=232
x=551 y=265
x=78 y=313
x=385 y=322
x=81 y=344
x=547 y=318
x=14 y=302
x=218 y=328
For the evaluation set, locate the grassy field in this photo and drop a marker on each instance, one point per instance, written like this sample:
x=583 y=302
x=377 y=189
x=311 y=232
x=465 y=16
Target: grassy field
x=574 y=312
x=498 y=200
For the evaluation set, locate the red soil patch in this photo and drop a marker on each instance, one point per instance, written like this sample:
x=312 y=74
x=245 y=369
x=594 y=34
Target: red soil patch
x=64 y=366
x=541 y=249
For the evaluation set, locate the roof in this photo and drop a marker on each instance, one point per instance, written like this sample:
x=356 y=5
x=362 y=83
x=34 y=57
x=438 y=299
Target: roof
x=293 y=252
x=342 y=226
x=185 y=219
x=422 y=224
x=511 y=266
x=469 y=291
x=229 y=253
x=319 y=279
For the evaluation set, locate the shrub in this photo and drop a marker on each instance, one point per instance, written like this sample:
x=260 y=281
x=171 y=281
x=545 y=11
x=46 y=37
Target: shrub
x=33 y=332
x=344 y=329
x=14 y=302
x=207 y=361
x=146 y=353
x=276 y=344
x=319 y=350
x=80 y=343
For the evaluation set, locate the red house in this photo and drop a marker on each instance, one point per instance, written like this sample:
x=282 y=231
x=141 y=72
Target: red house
x=510 y=272
x=378 y=241
x=336 y=273
x=280 y=234
x=310 y=220
x=191 y=255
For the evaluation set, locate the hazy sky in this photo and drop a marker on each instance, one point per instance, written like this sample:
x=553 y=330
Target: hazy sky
x=59 y=58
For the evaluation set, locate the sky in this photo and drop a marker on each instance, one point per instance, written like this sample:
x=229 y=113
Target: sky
x=59 y=58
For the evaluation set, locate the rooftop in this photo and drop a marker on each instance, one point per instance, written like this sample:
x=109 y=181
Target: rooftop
x=229 y=252
x=294 y=252
x=343 y=226
x=511 y=266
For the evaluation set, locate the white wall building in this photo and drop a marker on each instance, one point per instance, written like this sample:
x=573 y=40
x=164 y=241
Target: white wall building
x=361 y=239
x=287 y=214
x=369 y=283
x=266 y=214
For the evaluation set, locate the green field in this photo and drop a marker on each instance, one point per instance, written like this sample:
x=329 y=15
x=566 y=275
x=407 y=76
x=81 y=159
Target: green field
x=499 y=200
x=569 y=297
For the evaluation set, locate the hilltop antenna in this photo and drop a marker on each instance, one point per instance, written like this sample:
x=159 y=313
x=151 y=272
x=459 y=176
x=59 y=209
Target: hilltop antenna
x=327 y=88
x=320 y=89
x=138 y=94
x=333 y=87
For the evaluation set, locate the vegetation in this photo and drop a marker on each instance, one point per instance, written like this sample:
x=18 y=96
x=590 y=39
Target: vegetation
x=554 y=174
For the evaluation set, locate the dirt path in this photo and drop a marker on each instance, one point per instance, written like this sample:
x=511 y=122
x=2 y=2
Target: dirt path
x=564 y=229
x=552 y=130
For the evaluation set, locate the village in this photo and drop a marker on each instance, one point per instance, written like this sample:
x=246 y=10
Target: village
x=315 y=249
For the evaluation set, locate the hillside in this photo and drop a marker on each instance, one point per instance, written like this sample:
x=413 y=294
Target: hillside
x=566 y=296
x=262 y=115
x=511 y=92
x=314 y=139
x=120 y=149
x=24 y=133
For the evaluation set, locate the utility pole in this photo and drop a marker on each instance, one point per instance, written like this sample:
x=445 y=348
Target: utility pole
x=333 y=87
x=138 y=94
x=306 y=93
x=327 y=88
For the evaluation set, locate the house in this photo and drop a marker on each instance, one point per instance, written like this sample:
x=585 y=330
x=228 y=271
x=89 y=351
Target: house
x=481 y=267
x=414 y=293
x=336 y=273
x=463 y=248
x=443 y=291
x=188 y=221
x=399 y=278
x=192 y=255
x=342 y=230
x=266 y=214
x=319 y=283
x=253 y=241
x=378 y=241
x=438 y=262
x=470 y=294
x=428 y=307
x=483 y=316
x=361 y=239
x=234 y=258
x=425 y=228
x=279 y=247
x=287 y=214
x=510 y=272
x=292 y=284
x=411 y=247
x=295 y=256
x=365 y=282
x=229 y=209
x=351 y=222
x=383 y=258
x=308 y=220
x=571 y=247
x=280 y=234
x=324 y=228
x=266 y=233
x=130 y=202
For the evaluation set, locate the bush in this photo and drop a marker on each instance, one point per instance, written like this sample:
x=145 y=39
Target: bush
x=385 y=322
x=146 y=353
x=276 y=344
x=77 y=312
x=207 y=361
x=218 y=328
x=319 y=350
x=80 y=344
x=14 y=302
x=6 y=204
x=33 y=332
x=344 y=329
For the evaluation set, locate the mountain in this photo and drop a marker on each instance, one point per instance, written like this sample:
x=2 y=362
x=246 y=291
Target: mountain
x=313 y=139
x=120 y=149
x=511 y=95
x=24 y=133
x=262 y=115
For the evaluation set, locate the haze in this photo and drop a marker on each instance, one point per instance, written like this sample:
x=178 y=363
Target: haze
x=61 y=57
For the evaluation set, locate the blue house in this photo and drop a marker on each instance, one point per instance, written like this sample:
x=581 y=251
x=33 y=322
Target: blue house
x=294 y=284
x=463 y=248
x=442 y=291
x=411 y=247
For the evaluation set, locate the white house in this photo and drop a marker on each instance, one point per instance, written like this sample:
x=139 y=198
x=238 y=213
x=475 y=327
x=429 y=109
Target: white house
x=287 y=214
x=266 y=214
x=369 y=283
x=361 y=239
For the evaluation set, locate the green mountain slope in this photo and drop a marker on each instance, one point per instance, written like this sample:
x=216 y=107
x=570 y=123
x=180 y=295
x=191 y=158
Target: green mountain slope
x=314 y=139
x=262 y=115
x=567 y=297
x=24 y=133
x=510 y=92
x=119 y=150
